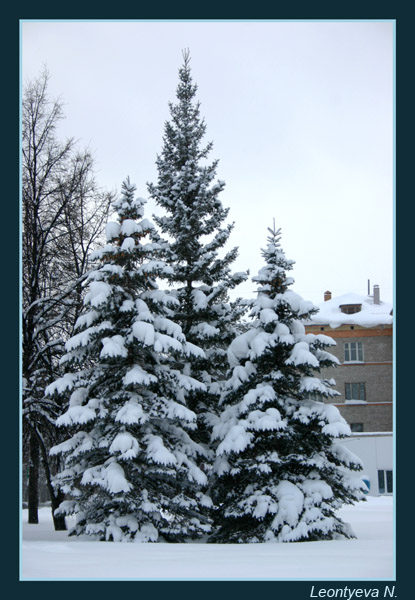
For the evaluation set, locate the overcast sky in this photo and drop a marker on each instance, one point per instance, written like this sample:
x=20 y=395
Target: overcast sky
x=301 y=115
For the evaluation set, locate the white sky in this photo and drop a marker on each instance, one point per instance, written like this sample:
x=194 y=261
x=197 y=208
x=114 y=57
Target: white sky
x=301 y=115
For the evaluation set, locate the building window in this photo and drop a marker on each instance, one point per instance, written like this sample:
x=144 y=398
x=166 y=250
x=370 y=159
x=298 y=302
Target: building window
x=356 y=427
x=353 y=352
x=350 y=309
x=315 y=396
x=385 y=482
x=355 y=391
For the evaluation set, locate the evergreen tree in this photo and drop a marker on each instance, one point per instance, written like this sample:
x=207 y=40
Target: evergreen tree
x=195 y=230
x=130 y=469
x=280 y=474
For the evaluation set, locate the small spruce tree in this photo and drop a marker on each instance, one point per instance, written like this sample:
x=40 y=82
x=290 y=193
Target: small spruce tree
x=195 y=234
x=281 y=476
x=130 y=463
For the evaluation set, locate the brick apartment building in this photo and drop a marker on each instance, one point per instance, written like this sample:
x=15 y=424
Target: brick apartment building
x=362 y=327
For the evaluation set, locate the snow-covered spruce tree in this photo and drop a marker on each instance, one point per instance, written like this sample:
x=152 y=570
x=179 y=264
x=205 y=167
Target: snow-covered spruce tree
x=281 y=476
x=195 y=234
x=130 y=469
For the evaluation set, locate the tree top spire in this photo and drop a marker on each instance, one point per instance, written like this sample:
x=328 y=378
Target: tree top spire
x=186 y=56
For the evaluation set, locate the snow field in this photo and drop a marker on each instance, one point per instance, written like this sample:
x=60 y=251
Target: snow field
x=47 y=554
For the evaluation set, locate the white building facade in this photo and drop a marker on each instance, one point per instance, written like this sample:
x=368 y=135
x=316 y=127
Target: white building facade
x=376 y=451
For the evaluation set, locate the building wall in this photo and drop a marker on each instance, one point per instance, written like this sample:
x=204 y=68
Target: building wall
x=373 y=417
x=377 y=342
x=376 y=372
x=376 y=453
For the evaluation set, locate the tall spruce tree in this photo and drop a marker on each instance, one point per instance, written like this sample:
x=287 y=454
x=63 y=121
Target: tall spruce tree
x=196 y=233
x=281 y=476
x=130 y=463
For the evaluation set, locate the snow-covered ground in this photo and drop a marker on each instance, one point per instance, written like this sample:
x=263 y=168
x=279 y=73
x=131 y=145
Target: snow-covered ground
x=46 y=554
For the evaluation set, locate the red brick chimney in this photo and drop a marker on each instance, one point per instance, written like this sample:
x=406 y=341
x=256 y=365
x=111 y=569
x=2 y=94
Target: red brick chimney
x=327 y=296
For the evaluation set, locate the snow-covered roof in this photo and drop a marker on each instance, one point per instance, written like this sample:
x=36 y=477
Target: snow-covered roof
x=370 y=314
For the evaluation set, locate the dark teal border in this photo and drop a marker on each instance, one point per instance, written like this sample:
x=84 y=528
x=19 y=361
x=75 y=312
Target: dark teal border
x=10 y=289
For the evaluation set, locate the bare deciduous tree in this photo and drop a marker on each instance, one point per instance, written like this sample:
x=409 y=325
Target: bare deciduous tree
x=63 y=213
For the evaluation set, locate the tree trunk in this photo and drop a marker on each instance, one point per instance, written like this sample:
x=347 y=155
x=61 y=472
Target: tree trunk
x=33 y=484
x=58 y=520
x=56 y=496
